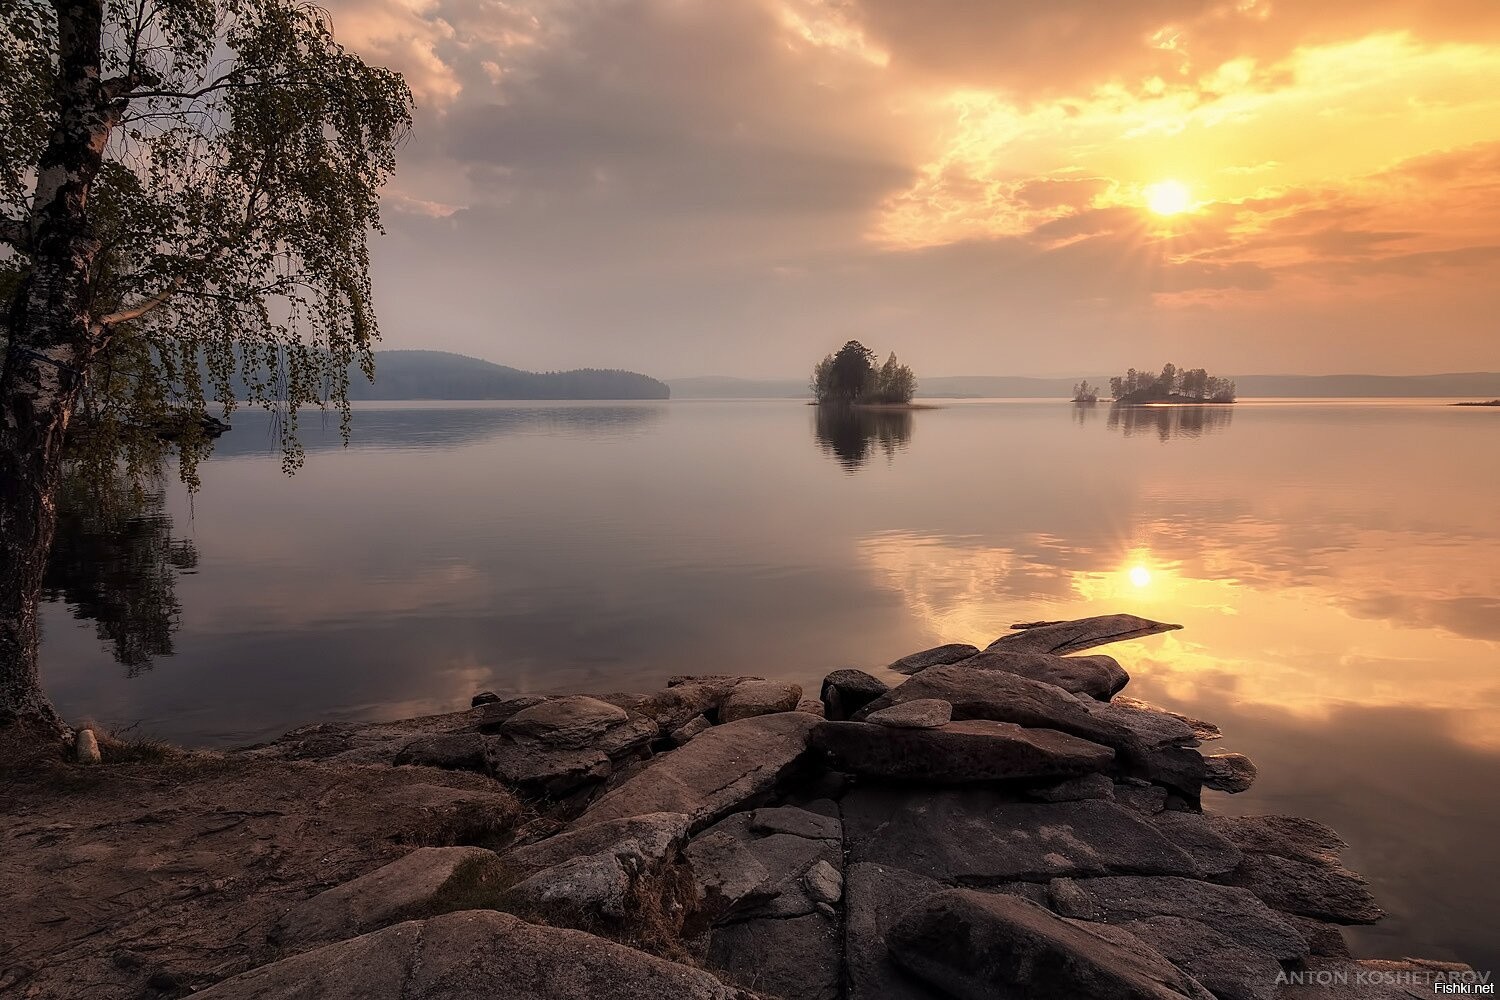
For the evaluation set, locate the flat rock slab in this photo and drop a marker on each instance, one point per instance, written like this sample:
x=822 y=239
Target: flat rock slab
x=475 y=955
x=657 y=835
x=937 y=656
x=797 y=822
x=1229 y=970
x=374 y=898
x=1071 y=637
x=543 y=770
x=924 y=713
x=795 y=959
x=743 y=872
x=570 y=722
x=1098 y=677
x=1293 y=864
x=721 y=770
x=752 y=698
x=979 y=837
x=987 y=946
x=977 y=750
x=1214 y=855
x=875 y=897
x=1230 y=910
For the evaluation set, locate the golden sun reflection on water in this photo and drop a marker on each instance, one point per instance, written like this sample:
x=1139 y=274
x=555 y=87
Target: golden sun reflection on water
x=1306 y=648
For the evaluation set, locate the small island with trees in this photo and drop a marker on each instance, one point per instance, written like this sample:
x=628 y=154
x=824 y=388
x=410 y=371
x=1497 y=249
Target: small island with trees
x=1172 y=385
x=851 y=378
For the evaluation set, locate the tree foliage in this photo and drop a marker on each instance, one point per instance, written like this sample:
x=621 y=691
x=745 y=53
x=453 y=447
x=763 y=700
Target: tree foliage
x=850 y=376
x=244 y=150
x=1171 y=385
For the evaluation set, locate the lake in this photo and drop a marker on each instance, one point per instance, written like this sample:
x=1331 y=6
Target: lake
x=1336 y=565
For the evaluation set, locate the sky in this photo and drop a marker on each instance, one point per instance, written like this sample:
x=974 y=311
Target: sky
x=736 y=187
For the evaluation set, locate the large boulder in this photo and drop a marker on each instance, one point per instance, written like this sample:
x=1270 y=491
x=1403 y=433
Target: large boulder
x=1214 y=855
x=1071 y=637
x=450 y=751
x=723 y=769
x=569 y=723
x=376 y=897
x=846 y=691
x=990 y=946
x=474 y=955
x=1293 y=864
x=977 y=750
x=1228 y=969
x=751 y=698
x=744 y=871
x=937 y=656
x=1229 y=772
x=924 y=713
x=1231 y=911
x=1098 y=677
x=544 y=771
x=980 y=837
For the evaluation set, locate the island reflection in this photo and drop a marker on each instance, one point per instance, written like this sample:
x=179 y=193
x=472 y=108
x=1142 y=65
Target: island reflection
x=1169 y=420
x=852 y=435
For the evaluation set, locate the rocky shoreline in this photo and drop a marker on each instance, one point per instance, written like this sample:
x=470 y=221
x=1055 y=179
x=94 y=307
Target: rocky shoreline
x=1003 y=823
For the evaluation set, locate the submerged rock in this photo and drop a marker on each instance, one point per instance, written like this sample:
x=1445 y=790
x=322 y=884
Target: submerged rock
x=1073 y=636
x=937 y=656
x=982 y=946
x=975 y=750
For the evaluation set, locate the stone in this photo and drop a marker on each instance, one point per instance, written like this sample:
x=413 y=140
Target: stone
x=811 y=706
x=1098 y=677
x=981 y=837
x=1213 y=854
x=86 y=747
x=1202 y=731
x=658 y=837
x=568 y=723
x=543 y=770
x=977 y=750
x=675 y=707
x=689 y=729
x=1229 y=772
x=1141 y=796
x=984 y=946
x=937 y=656
x=1088 y=786
x=1002 y=697
x=797 y=822
x=1287 y=836
x=875 y=897
x=1071 y=637
x=471 y=955
x=376 y=897
x=824 y=883
x=787 y=859
x=1324 y=890
x=628 y=737
x=1232 y=911
x=451 y=752
x=794 y=959
x=752 y=698
x=1065 y=897
x=721 y=684
x=483 y=698
x=493 y=715
x=846 y=691
x=723 y=769
x=1228 y=970
x=579 y=890
x=1324 y=940
x=924 y=713
x=727 y=875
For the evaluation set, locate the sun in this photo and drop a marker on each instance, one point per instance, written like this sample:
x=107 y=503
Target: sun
x=1140 y=576
x=1168 y=197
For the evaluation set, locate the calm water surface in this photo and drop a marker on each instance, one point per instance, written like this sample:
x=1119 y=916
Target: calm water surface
x=1336 y=565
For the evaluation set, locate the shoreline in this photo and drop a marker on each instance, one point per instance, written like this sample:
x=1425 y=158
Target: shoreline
x=726 y=834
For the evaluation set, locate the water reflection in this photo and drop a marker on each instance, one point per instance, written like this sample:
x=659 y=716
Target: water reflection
x=424 y=427
x=853 y=434
x=1169 y=421
x=115 y=563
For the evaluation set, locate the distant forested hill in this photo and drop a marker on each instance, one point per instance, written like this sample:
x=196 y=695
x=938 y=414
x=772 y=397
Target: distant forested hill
x=440 y=375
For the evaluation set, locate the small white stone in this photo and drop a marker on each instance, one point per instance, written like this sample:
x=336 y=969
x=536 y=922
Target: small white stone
x=86 y=748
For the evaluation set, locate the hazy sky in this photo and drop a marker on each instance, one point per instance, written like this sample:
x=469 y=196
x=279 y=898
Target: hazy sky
x=738 y=186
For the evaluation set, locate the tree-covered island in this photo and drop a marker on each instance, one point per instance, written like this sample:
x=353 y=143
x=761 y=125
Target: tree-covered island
x=851 y=377
x=1172 y=385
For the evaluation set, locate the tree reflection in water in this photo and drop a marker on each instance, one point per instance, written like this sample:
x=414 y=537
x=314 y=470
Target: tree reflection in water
x=851 y=434
x=114 y=562
x=1169 y=421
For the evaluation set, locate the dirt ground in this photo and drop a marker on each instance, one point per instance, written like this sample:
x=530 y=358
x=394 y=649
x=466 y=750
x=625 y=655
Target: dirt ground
x=153 y=879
